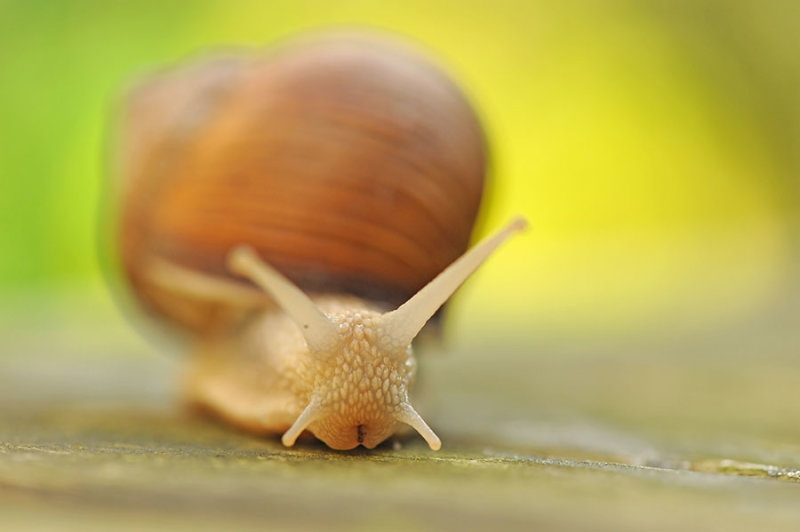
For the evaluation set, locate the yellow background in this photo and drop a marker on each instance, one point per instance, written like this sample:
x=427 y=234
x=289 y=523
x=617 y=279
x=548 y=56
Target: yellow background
x=652 y=145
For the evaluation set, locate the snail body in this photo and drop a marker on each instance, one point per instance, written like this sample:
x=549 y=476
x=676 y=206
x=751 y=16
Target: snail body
x=279 y=207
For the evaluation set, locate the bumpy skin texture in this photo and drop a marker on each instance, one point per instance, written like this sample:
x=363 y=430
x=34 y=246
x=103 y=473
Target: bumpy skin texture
x=265 y=377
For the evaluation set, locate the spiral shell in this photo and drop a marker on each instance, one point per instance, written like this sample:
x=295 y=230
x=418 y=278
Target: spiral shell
x=352 y=165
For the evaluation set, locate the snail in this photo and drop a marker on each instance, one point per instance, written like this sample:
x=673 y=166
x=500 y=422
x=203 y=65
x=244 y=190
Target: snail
x=302 y=213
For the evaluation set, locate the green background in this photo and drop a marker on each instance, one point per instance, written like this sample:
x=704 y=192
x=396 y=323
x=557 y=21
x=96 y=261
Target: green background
x=653 y=146
x=629 y=363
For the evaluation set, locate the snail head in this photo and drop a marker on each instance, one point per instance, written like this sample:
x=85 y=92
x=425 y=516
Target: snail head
x=365 y=365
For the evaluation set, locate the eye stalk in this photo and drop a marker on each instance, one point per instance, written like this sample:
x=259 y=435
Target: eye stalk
x=402 y=325
x=359 y=354
x=318 y=330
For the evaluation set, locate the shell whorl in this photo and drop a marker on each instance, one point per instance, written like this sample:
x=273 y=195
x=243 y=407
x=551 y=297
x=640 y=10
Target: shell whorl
x=351 y=165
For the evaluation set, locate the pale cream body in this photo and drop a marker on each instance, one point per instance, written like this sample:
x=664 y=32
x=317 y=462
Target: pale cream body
x=263 y=377
x=335 y=366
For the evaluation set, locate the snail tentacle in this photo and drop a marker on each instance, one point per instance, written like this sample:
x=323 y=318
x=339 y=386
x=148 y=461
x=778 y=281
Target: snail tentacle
x=406 y=414
x=319 y=331
x=301 y=423
x=401 y=325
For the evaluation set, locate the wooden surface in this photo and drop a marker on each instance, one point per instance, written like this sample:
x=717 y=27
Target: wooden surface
x=652 y=436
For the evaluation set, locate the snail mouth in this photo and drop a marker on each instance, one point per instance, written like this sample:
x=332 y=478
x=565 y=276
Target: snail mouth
x=360 y=433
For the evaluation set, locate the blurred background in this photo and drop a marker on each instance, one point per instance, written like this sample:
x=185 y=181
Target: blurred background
x=649 y=316
x=653 y=145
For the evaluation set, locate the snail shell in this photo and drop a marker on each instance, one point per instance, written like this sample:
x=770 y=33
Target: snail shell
x=352 y=166
x=340 y=178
